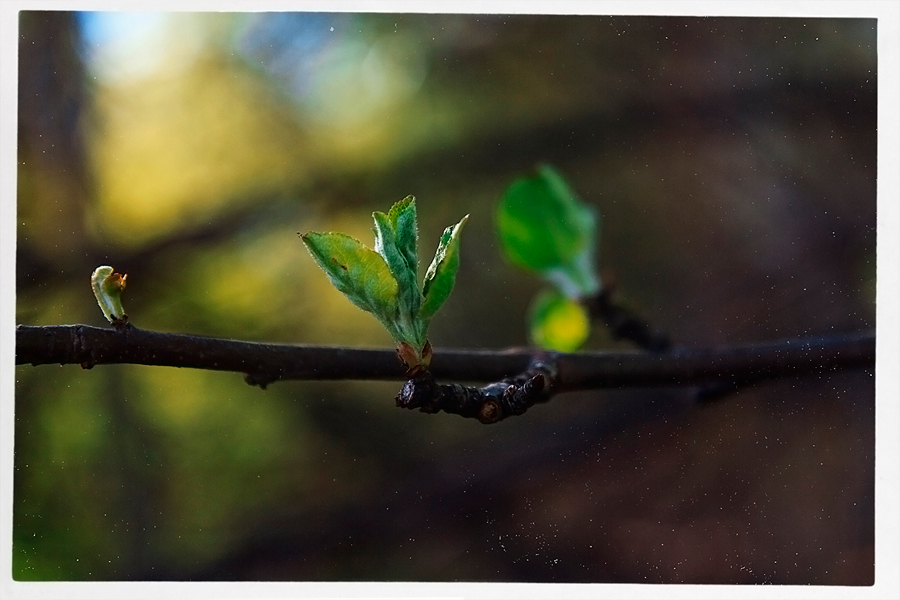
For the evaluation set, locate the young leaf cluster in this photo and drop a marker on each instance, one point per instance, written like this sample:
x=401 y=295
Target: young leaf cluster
x=547 y=230
x=384 y=280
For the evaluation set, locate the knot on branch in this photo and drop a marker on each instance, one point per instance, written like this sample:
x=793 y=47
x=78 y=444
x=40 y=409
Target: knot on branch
x=489 y=404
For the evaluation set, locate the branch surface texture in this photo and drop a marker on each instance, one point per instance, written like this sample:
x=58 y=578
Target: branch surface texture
x=519 y=377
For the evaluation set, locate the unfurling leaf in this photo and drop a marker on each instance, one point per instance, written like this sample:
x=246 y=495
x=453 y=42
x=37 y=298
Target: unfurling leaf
x=441 y=274
x=402 y=217
x=356 y=271
x=545 y=228
x=395 y=240
x=108 y=287
x=557 y=322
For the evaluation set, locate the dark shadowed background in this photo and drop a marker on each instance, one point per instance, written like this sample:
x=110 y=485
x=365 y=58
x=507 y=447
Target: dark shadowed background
x=733 y=161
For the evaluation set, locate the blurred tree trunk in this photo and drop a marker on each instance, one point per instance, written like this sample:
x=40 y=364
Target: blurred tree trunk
x=54 y=183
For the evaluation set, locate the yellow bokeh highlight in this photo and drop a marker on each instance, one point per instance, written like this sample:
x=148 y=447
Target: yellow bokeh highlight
x=171 y=150
x=178 y=144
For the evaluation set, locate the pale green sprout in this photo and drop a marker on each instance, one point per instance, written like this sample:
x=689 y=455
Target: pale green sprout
x=108 y=286
x=384 y=281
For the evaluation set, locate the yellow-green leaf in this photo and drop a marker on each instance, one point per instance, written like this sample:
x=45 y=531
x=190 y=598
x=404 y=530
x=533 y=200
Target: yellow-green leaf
x=557 y=322
x=356 y=271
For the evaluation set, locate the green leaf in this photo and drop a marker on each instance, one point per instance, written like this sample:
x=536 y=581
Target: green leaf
x=557 y=322
x=441 y=274
x=544 y=227
x=356 y=271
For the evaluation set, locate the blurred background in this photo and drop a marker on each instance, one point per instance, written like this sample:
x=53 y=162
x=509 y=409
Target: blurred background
x=733 y=161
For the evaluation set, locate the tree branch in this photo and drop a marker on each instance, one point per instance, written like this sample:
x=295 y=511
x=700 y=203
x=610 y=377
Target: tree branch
x=266 y=363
